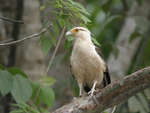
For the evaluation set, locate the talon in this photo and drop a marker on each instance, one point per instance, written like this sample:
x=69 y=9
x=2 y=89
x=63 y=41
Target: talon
x=88 y=93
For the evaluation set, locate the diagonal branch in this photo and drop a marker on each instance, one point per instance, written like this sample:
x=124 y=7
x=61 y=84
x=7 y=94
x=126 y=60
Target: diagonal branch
x=26 y=38
x=111 y=95
x=11 y=20
x=50 y=63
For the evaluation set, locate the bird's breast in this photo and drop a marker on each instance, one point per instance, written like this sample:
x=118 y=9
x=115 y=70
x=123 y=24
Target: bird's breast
x=86 y=63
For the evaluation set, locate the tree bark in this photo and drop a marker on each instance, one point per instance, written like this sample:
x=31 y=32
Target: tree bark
x=111 y=95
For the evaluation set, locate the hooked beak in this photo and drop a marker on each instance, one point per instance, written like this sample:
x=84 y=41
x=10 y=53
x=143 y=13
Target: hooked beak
x=69 y=33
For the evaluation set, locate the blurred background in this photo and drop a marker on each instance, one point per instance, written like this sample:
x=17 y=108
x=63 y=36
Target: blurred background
x=122 y=27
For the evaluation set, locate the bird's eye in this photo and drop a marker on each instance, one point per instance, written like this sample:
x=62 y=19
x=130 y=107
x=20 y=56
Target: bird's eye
x=76 y=29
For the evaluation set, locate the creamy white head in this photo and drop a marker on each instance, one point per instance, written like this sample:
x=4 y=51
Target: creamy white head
x=79 y=32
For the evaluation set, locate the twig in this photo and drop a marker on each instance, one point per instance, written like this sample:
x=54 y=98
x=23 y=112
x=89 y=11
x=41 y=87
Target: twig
x=51 y=60
x=26 y=38
x=7 y=19
x=113 y=109
x=7 y=40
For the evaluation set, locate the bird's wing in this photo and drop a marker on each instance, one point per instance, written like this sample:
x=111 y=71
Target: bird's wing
x=106 y=79
x=71 y=72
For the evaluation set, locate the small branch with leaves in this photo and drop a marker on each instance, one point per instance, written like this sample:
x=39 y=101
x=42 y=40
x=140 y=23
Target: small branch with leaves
x=50 y=63
x=111 y=95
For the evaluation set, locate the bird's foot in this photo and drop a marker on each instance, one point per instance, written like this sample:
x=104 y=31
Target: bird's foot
x=80 y=95
x=90 y=92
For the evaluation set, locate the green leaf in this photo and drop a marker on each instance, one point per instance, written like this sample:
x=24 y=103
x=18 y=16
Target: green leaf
x=56 y=16
x=5 y=82
x=105 y=112
x=42 y=7
x=56 y=6
x=41 y=37
x=55 y=27
x=61 y=12
x=44 y=24
x=45 y=14
x=133 y=36
x=48 y=81
x=67 y=44
x=59 y=4
x=81 y=7
x=65 y=17
x=61 y=22
x=45 y=45
x=21 y=89
x=69 y=26
x=1 y=67
x=46 y=94
x=17 y=111
x=95 y=41
x=51 y=3
x=15 y=71
x=72 y=19
x=52 y=38
x=69 y=38
x=85 y=19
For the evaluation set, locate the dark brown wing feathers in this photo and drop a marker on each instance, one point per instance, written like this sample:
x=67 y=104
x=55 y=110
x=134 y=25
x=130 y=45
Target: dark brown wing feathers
x=106 y=79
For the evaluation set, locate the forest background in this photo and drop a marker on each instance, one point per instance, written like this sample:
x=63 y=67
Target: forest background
x=122 y=27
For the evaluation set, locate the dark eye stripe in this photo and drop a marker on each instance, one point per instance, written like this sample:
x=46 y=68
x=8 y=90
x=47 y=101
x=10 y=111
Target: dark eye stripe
x=82 y=29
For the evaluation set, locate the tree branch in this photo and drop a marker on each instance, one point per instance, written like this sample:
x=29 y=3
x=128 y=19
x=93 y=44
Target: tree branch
x=16 y=21
x=110 y=96
x=26 y=38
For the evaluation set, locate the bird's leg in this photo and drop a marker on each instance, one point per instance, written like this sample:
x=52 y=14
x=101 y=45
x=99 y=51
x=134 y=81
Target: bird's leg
x=80 y=92
x=93 y=89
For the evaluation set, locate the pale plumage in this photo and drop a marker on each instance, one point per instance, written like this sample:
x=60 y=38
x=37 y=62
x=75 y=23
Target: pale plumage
x=87 y=64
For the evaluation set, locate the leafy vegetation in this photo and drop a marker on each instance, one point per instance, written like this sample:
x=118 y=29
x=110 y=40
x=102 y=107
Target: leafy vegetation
x=15 y=81
x=67 y=12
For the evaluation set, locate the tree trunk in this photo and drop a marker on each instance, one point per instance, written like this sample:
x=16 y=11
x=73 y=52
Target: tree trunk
x=29 y=56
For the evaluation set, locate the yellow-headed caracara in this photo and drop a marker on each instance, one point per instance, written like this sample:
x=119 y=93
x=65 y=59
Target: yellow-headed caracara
x=86 y=62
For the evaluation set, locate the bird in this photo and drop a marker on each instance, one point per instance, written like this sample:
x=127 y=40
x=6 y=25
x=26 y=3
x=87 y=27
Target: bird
x=87 y=64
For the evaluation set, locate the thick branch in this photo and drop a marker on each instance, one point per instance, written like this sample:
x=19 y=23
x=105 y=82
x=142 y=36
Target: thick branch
x=26 y=38
x=11 y=20
x=111 y=95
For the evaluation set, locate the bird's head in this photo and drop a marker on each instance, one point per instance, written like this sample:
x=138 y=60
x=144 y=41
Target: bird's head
x=79 y=32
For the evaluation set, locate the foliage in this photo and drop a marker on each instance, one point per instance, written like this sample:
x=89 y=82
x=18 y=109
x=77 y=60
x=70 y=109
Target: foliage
x=24 y=108
x=15 y=81
x=67 y=12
